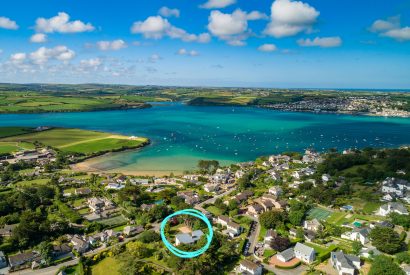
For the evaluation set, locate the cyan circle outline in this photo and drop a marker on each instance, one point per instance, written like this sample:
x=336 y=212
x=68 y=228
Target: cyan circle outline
x=181 y=253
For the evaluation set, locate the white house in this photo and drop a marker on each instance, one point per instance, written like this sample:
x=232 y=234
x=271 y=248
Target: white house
x=345 y=264
x=222 y=220
x=392 y=207
x=360 y=235
x=276 y=191
x=326 y=177
x=248 y=267
x=286 y=255
x=304 y=253
x=185 y=238
x=234 y=229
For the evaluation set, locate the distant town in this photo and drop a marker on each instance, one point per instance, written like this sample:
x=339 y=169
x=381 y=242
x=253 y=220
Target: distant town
x=335 y=212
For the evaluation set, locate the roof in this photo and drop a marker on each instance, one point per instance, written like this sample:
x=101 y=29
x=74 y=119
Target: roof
x=257 y=207
x=234 y=225
x=345 y=260
x=22 y=257
x=197 y=234
x=249 y=264
x=224 y=218
x=1 y=254
x=288 y=254
x=304 y=249
x=271 y=233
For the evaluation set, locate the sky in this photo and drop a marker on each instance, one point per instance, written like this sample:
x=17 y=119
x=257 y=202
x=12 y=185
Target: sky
x=237 y=43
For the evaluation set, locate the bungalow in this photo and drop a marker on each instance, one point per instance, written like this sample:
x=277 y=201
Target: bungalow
x=249 y=267
x=82 y=191
x=3 y=262
x=345 y=264
x=357 y=234
x=255 y=209
x=304 y=253
x=185 y=238
x=132 y=230
x=79 y=244
x=312 y=225
x=23 y=260
x=234 y=229
x=276 y=191
x=286 y=255
x=223 y=220
x=392 y=207
x=60 y=250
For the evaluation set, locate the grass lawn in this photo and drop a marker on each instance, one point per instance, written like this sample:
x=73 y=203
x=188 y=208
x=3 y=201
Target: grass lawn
x=28 y=183
x=370 y=207
x=214 y=210
x=10 y=147
x=79 y=141
x=335 y=217
x=117 y=220
x=78 y=202
x=73 y=270
x=319 y=213
x=321 y=250
x=13 y=131
x=83 y=211
x=269 y=253
x=107 y=266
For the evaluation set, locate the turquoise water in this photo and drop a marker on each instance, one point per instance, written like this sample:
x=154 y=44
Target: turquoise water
x=181 y=135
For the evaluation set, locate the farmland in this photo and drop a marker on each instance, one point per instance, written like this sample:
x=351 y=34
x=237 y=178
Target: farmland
x=75 y=141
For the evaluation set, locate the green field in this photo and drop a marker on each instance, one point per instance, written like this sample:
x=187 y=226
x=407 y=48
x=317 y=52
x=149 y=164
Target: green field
x=30 y=183
x=107 y=266
x=77 y=141
x=10 y=147
x=117 y=220
x=319 y=213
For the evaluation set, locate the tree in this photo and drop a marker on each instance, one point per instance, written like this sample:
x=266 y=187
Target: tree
x=356 y=247
x=386 y=239
x=280 y=243
x=403 y=257
x=383 y=265
x=296 y=217
x=270 y=219
x=139 y=249
x=45 y=248
x=403 y=220
x=149 y=236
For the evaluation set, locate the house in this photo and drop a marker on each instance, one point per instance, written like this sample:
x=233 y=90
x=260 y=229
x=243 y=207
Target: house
x=270 y=238
x=114 y=186
x=286 y=255
x=266 y=204
x=82 y=191
x=369 y=252
x=255 y=209
x=147 y=207
x=23 y=260
x=389 y=197
x=304 y=253
x=7 y=230
x=211 y=187
x=223 y=220
x=95 y=204
x=309 y=235
x=344 y=264
x=274 y=174
x=132 y=230
x=249 y=267
x=392 y=207
x=60 y=250
x=326 y=177
x=186 y=238
x=276 y=191
x=358 y=234
x=234 y=229
x=3 y=261
x=243 y=196
x=139 y=181
x=312 y=225
x=190 y=197
x=79 y=244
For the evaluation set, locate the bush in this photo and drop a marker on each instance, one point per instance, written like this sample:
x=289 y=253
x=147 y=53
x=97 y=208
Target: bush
x=289 y=267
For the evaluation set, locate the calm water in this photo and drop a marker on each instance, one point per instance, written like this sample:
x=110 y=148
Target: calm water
x=181 y=134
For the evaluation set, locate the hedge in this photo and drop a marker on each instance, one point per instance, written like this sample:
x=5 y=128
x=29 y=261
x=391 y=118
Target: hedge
x=289 y=267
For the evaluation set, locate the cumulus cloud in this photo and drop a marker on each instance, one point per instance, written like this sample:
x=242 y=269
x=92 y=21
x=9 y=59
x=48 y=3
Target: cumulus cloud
x=167 y=12
x=230 y=27
x=391 y=27
x=154 y=58
x=256 y=15
x=38 y=38
x=289 y=18
x=267 y=48
x=8 y=24
x=61 y=23
x=323 y=42
x=114 y=45
x=157 y=27
x=18 y=58
x=217 y=4
x=91 y=64
x=43 y=54
x=183 y=51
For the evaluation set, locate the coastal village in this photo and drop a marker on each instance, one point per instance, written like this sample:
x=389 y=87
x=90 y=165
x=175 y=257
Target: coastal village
x=275 y=211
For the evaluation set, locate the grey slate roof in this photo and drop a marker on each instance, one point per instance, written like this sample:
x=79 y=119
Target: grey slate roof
x=288 y=254
x=304 y=249
x=345 y=260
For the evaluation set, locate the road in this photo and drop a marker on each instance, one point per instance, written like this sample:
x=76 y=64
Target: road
x=253 y=238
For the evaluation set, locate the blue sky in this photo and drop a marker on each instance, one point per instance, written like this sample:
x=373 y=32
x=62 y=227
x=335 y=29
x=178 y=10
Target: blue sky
x=255 y=43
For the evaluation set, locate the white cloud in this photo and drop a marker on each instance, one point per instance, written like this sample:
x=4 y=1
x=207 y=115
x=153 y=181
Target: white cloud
x=256 y=15
x=230 y=27
x=391 y=28
x=267 y=48
x=61 y=23
x=38 y=38
x=114 y=45
x=154 y=58
x=157 y=27
x=323 y=42
x=7 y=23
x=43 y=54
x=91 y=64
x=217 y=4
x=289 y=18
x=183 y=51
x=167 y=12
x=18 y=58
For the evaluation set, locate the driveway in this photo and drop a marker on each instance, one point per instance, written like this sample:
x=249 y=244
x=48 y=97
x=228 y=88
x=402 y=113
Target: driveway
x=296 y=271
